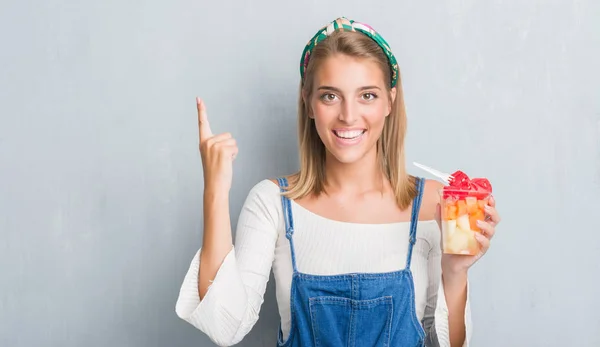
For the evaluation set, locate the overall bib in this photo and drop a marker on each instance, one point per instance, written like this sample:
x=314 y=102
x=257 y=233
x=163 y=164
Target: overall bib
x=355 y=309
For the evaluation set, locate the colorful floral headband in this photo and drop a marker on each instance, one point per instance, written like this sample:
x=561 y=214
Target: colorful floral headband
x=345 y=24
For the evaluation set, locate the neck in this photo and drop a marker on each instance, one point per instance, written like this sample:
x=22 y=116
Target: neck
x=359 y=177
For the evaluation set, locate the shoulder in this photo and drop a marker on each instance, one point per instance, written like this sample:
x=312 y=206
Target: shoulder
x=266 y=189
x=262 y=204
x=431 y=198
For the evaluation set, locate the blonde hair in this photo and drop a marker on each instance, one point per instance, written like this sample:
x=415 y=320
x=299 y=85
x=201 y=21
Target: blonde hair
x=390 y=146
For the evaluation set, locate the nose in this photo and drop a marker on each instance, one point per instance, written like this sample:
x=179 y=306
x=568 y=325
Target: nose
x=349 y=112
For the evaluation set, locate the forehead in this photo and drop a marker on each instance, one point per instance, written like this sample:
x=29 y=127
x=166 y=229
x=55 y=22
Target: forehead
x=345 y=72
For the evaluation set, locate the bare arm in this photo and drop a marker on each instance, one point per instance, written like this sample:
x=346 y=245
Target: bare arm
x=218 y=153
x=217 y=241
x=455 y=289
x=230 y=307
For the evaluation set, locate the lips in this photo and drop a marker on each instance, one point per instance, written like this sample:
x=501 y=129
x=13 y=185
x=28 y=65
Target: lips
x=348 y=137
x=349 y=134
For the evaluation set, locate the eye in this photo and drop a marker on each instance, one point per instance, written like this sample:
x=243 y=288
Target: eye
x=328 y=97
x=369 y=96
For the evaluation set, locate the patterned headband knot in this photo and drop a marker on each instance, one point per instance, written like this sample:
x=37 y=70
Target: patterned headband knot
x=345 y=24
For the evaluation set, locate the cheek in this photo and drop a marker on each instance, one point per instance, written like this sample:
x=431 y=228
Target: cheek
x=322 y=126
x=324 y=114
x=322 y=111
x=376 y=116
x=319 y=116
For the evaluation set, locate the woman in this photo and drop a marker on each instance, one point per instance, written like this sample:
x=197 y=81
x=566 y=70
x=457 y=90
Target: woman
x=351 y=238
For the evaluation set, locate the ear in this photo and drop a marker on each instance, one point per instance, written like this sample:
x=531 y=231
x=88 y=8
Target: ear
x=392 y=98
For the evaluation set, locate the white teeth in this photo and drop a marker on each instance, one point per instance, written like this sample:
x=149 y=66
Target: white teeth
x=349 y=134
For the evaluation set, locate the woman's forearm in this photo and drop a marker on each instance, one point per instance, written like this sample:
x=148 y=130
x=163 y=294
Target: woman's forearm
x=217 y=239
x=455 y=289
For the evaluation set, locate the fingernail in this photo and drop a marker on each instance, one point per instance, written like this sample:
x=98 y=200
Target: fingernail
x=487 y=207
x=480 y=222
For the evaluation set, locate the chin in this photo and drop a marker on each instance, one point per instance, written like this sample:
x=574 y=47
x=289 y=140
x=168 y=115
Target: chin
x=347 y=158
x=351 y=149
x=350 y=155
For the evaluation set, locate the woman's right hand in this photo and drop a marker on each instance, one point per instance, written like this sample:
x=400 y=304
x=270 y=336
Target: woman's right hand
x=217 y=152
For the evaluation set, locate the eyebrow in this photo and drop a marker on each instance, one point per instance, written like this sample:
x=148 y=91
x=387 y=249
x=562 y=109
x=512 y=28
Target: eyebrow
x=339 y=91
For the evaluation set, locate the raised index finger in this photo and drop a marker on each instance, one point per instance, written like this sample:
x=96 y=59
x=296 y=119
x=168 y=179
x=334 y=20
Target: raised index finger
x=203 y=126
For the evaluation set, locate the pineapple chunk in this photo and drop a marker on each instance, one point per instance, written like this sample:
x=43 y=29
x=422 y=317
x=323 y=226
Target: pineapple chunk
x=463 y=222
x=449 y=227
x=458 y=242
x=473 y=247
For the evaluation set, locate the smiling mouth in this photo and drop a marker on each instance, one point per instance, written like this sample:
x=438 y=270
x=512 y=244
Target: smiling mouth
x=349 y=134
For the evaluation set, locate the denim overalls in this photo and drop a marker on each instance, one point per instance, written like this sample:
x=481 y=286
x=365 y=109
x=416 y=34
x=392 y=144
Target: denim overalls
x=356 y=309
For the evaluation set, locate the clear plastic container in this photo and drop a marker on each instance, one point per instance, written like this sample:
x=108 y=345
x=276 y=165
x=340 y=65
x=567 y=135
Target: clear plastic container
x=461 y=209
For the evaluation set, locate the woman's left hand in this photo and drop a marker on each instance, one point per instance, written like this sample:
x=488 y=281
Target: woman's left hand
x=459 y=264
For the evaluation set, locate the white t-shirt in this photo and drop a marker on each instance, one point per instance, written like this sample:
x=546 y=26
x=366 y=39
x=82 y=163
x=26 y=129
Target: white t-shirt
x=323 y=246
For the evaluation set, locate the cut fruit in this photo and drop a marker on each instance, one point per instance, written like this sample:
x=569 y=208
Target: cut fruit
x=459 y=236
x=461 y=242
x=474 y=217
x=473 y=224
x=463 y=222
x=450 y=228
x=450 y=201
x=458 y=242
x=463 y=203
x=460 y=180
x=450 y=212
x=471 y=202
x=473 y=247
x=462 y=207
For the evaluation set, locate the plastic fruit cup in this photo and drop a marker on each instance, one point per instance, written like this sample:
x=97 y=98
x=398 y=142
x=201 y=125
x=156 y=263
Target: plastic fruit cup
x=461 y=209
